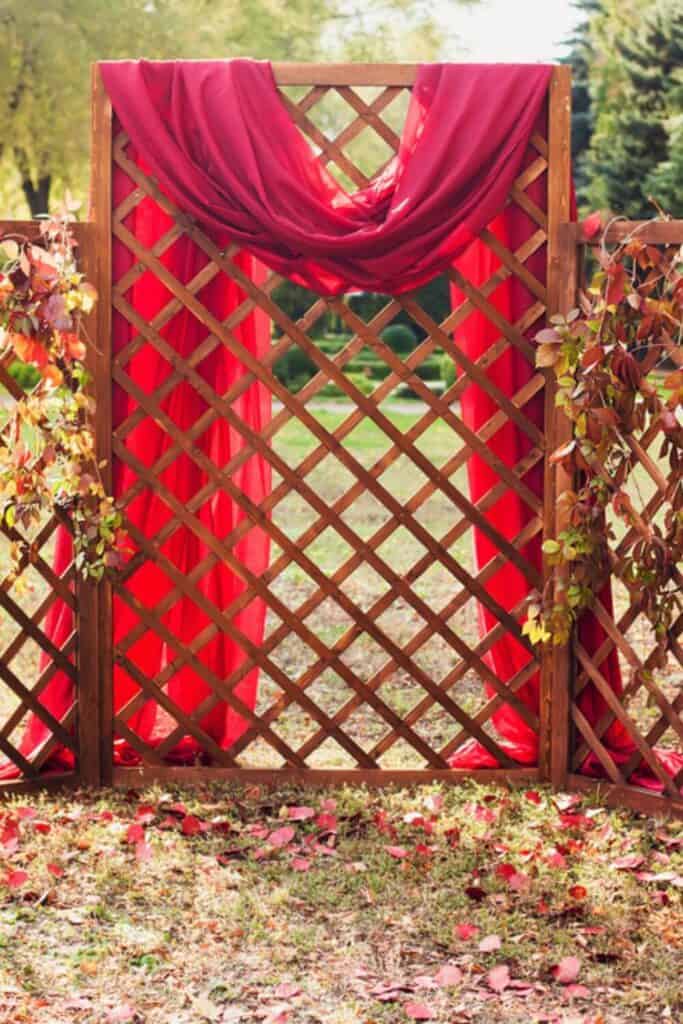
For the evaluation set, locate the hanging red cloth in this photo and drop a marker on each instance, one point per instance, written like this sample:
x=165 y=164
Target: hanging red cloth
x=182 y=479
x=219 y=139
x=510 y=372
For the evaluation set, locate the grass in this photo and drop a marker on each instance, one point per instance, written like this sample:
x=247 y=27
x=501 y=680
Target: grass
x=234 y=908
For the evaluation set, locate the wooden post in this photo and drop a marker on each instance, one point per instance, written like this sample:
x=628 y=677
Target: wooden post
x=88 y=704
x=100 y=217
x=561 y=285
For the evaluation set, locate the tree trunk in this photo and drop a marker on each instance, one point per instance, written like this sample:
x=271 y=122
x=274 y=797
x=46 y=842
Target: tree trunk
x=37 y=196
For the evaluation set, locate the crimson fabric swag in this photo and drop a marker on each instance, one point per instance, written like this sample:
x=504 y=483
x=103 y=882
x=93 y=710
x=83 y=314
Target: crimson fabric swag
x=221 y=142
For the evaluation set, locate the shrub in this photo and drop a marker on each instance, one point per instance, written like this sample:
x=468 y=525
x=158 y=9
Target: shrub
x=447 y=370
x=430 y=369
x=400 y=338
x=294 y=366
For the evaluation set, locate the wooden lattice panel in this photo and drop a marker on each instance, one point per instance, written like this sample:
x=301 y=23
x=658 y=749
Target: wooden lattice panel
x=32 y=661
x=650 y=709
x=383 y=674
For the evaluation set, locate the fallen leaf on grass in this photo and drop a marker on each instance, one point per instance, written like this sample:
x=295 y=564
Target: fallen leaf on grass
x=300 y=864
x=419 y=1011
x=143 y=851
x=55 y=870
x=399 y=852
x=300 y=813
x=577 y=992
x=191 y=826
x=135 y=834
x=465 y=931
x=121 y=1015
x=489 y=944
x=15 y=879
x=281 y=836
x=578 y=892
x=567 y=971
x=628 y=863
x=448 y=975
x=498 y=978
x=287 y=990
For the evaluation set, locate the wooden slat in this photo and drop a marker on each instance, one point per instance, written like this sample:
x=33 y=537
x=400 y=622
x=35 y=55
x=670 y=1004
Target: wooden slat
x=144 y=776
x=100 y=206
x=562 y=284
x=88 y=689
x=653 y=232
x=345 y=74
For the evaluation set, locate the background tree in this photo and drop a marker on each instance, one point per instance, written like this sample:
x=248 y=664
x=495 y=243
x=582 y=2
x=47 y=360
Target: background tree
x=627 y=60
x=47 y=50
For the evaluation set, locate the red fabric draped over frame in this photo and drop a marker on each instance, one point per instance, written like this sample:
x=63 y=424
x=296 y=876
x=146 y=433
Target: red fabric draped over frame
x=218 y=137
x=511 y=515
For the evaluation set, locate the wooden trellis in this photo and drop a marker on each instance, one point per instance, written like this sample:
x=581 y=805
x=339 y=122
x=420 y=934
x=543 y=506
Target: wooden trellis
x=368 y=93
x=658 y=691
x=550 y=159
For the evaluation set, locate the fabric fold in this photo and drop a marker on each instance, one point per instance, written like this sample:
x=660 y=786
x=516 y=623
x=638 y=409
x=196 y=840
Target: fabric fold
x=220 y=140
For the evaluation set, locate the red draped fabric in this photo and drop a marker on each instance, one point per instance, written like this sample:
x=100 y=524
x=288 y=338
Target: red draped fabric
x=510 y=372
x=182 y=479
x=219 y=140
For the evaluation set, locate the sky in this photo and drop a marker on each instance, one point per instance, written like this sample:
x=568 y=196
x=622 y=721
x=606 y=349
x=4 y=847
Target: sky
x=510 y=30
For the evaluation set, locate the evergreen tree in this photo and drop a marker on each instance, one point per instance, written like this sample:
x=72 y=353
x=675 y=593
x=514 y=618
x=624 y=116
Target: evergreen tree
x=636 y=98
x=581 y=58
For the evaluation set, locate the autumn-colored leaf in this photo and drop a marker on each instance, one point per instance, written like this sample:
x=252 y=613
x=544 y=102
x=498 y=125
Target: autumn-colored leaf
x=300 y=813
x=135 y=833
x=448 y=975
x=591 y=225
x=327 y=822
x=143 y=851
x=629 y=862
x=191 y=825
x=28 y=349
x=287 y=990
x=398 y=852
x=498 y=978
x=489 y=944
x=300 y=864
x=15 y=879
x=577 y=992
x=533 y=796
x=578 y=892
x=419 y=1011
x=55 y=870
x=567 y=971
x=281 y=836
x=465 y=931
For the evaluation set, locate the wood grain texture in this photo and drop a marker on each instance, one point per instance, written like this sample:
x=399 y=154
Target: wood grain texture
x=562 y=283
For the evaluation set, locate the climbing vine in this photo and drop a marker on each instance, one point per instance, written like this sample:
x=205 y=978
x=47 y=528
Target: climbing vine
x=618 y=360
x=47 y=450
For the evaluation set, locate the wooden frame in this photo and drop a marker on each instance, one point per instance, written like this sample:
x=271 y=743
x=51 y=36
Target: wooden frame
x=343 y=78
x=97 y=724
